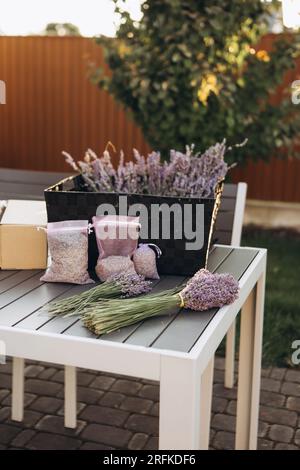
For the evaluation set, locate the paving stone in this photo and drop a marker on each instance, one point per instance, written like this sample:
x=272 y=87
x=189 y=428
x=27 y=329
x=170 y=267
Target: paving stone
x=84 y=378
x=224 y=440
x=88 y=395
x=102 y=382
x=271 y=385
x=112 y=399
x=7 y=433
x=28 y=398
x=80 y=406
x=281 y=433
x=266 y=372
x=140 y=423
x=138 y=441
x=59 y=376
x=219 y=404
x=218 y=376
x=219 y=363
x=223 y=422
x=47 y=405
x=42 y=387
x=291 y=388
x=220 y=391
x=128 y=387
x=155 y=410
x=149 y=382
x=282 y=446
x=5 y=368
x=293 y=376
x=231 y=408
x=47 y=373
x=95 y=446
x=5 y=412
x=152 y=444
x=278 y=416
x=264 y=444
x=5 y=381
x=277 y=373
x=109 y=435
x=3 y=394
x=48 y=441
x=150 y=391
x=55 y=424
x=136 y=405
x=297 y=437
x=110 y=426
x=263 y=429
x=23 y=437
x=33 y=370
x=272 y=398
x=293 y=403
x=31 y=418
x=104 y=415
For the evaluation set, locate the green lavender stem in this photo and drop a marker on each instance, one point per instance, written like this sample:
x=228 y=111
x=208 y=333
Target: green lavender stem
x=111 y=315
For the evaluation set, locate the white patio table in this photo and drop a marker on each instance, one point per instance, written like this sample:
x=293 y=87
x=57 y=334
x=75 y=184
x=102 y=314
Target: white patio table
x=177 y=350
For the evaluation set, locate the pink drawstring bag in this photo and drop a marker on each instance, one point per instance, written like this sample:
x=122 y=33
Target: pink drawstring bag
x=144 y=259
x=68 y=246
x=117 y=238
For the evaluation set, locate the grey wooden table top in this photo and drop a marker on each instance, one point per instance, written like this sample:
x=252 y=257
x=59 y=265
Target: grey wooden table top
x=24 y=298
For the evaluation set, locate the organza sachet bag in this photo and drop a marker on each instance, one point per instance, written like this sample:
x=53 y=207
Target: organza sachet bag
x=144 y=259
x=68 y=246
x=117 y=238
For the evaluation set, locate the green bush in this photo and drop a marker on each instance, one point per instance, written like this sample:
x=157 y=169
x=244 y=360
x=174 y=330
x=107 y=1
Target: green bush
x=188 y=73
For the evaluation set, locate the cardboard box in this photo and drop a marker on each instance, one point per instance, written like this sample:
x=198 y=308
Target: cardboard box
x=22 y=245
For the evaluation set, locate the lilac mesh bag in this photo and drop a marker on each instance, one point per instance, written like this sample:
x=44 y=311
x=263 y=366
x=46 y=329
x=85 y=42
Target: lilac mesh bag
x=68 y=246
x=117 y=238
x=144 y=259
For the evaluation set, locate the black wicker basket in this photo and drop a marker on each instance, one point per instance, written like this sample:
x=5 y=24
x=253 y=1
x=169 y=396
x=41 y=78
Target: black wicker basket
x=69 y=200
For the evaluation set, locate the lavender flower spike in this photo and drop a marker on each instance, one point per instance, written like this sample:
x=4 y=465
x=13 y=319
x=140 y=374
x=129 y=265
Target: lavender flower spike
x=131 y=285
x=206 y=290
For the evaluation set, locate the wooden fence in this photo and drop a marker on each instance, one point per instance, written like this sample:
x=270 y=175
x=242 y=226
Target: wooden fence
x=51 y=106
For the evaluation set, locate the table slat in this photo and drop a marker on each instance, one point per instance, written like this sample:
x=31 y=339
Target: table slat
x=166 y=282
x=186 y=328
x=35 y=299
x=151 y=329
x=19 y=290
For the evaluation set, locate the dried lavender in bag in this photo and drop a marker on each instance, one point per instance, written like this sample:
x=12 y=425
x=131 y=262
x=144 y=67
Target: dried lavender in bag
x=117 y=238
x=68 y=246
x=144 y=259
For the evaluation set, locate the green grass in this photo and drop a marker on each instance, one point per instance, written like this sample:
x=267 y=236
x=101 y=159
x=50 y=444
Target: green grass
x=282 y=309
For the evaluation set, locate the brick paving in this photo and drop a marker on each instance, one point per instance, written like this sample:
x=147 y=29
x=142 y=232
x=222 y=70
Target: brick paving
x=117 y=412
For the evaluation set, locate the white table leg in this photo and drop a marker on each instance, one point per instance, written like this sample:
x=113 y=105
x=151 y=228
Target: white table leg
x=205 y=403
x=179 y=415
x=229 y=357
x=17 y=407
x=70 y=397
x=250 y=368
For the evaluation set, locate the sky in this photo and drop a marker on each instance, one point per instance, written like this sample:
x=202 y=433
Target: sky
x=93 y=17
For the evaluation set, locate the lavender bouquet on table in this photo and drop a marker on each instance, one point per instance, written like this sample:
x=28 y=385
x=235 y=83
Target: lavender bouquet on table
x=118 y=286
x=186 y=174
x=204 y=291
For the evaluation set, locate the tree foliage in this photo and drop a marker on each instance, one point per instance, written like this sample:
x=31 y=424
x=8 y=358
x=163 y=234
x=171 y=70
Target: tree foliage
x=62 y=29
x=190 y=72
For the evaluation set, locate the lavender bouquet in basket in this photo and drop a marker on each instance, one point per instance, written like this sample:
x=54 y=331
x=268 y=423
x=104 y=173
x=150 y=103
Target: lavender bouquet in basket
x=186 y=174
x=202 y=292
